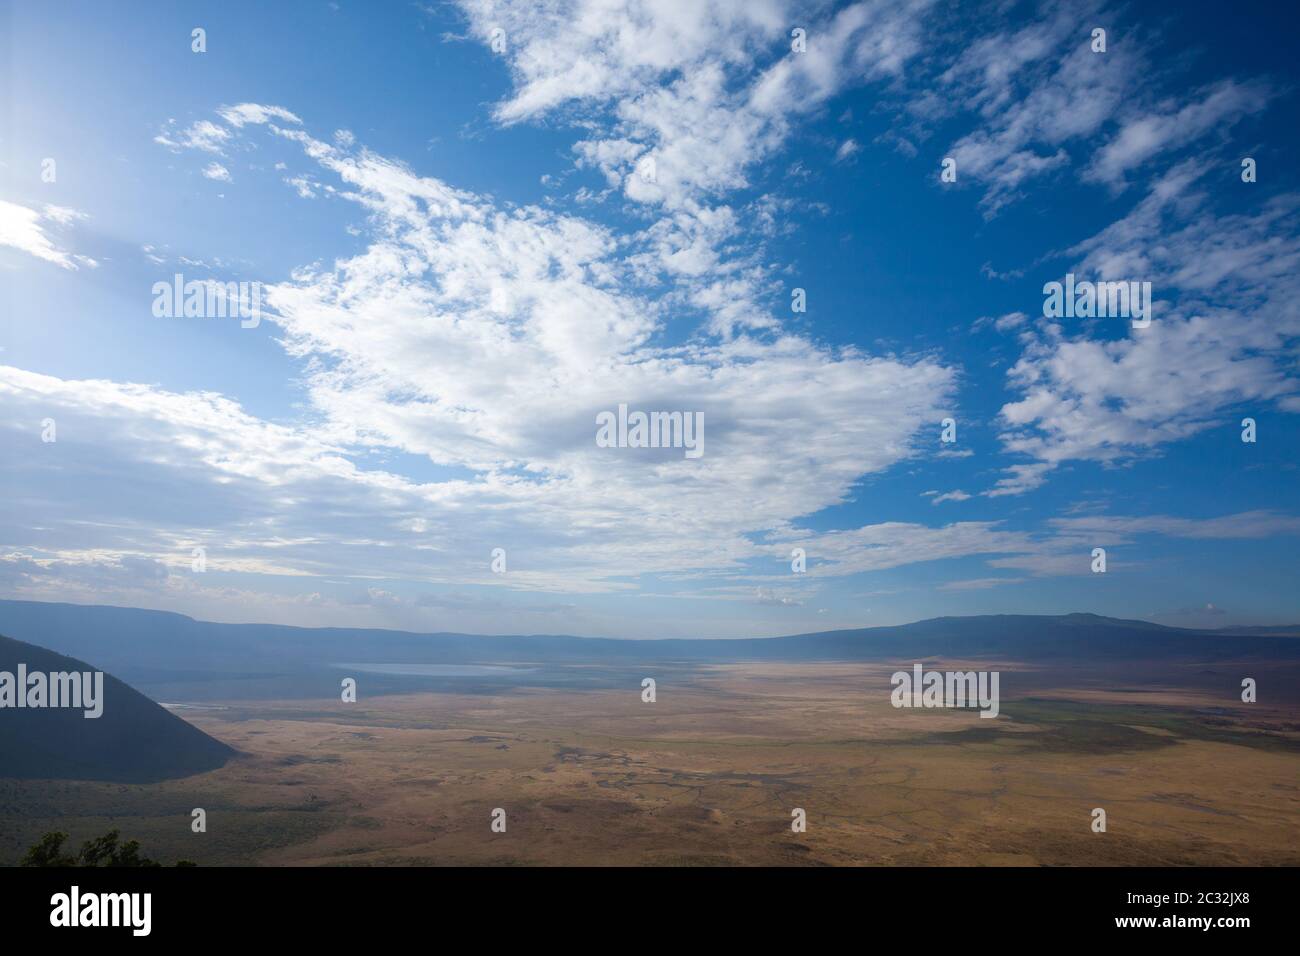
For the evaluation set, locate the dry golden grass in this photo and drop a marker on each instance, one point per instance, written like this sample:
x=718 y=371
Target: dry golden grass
x=709 y=774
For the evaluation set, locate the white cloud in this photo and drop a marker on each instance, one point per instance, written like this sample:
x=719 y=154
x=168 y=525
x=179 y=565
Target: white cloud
x=678 y=102
x=256 y=114
x=1243 y=525
x=1142 y=137
x=894 y=544
x=486 y=339
x=483 y=336
x=21 y=228
x=1225 y=324
x=1003 y=323
x=209 y=137
x=217 y=171
x=977 y=584
x=1034 y=90
x=61 y=215
x=956 y=495
x=204 y=135
x=1039 y=92
x=770 y=597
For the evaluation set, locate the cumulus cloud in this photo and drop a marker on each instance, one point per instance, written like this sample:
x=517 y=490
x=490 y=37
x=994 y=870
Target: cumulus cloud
x=1224 y=332
x=479 y=338
x=1036 y=91
x=708 y=89
x=485 y=338
x=218 y=172
x=1003 y=323
x=680 y=102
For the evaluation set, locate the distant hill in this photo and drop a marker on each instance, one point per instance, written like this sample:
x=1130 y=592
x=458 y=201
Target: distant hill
x=145 y=641
x=134 y=740
x=171 y=654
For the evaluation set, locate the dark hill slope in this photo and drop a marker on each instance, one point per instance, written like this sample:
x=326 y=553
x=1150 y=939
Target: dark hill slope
x=133 y=741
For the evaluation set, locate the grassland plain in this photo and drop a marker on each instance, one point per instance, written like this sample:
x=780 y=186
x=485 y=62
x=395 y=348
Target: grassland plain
x=710 y=772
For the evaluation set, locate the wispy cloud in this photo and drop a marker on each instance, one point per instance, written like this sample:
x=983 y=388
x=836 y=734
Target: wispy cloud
x=26 y=229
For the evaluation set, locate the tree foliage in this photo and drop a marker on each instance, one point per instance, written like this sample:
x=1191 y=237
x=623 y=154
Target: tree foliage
x=103 y=851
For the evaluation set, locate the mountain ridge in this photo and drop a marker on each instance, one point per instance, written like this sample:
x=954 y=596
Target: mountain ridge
x=173 y=657
x=1067 y=617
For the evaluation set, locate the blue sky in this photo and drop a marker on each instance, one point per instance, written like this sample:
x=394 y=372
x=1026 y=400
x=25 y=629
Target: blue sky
x=463 y=258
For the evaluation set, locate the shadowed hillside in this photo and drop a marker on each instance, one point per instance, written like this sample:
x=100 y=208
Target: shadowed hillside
x=133 y=741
